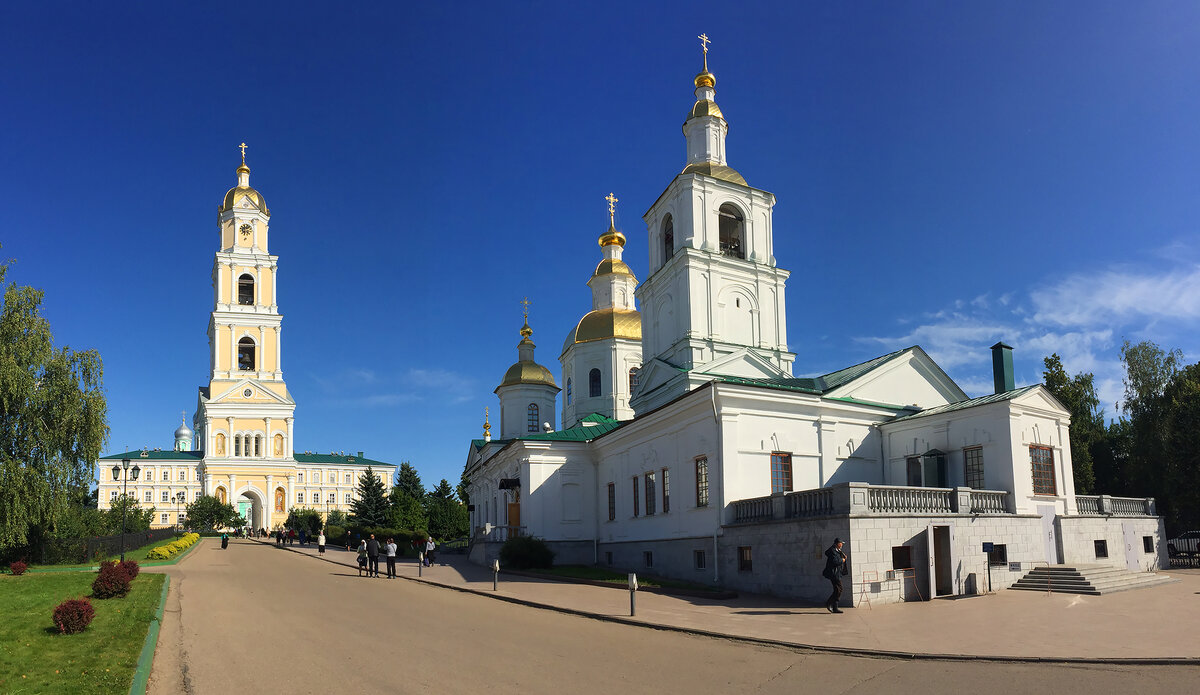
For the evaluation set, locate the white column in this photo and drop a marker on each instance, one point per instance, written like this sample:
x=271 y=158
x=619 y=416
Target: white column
x=229 y=437
x=232 y=278
x=260 y=358
x=232 y=352
x=258 y=282
x=288 y=444
x=274 y=285
x=278 y=351
x=207 y=489
x=232 y=487
x=270 y=454
x=291 y=493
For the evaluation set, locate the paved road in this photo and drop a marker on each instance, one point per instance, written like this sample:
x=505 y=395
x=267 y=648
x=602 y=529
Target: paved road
x=258 y=619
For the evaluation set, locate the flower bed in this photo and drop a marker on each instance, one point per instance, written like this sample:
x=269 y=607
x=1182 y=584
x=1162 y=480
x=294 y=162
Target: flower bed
x=170 y=550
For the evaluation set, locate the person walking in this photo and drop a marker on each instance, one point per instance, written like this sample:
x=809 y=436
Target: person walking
x=321 y=542
x=390 y=549
x=373 y=557
x=303 y=537
x=835 y=568
x=430 y=546
x=362 y=558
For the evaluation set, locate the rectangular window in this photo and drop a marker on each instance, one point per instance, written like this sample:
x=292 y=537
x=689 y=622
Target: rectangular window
x=608 y=557
x=913 y=468
x=999 y=555
x=347 y=498
x=973 y=467
x=781 y=472
x=612 y=503
x=299 y=498
x=299 y=477
x=1042 y=458
x=112 y=495
x=650 y=494
x=666 y=491
x=635 y=496
x=347 y=478
x=166 y=476
x=183 y=476
x=745 y=559
x=902 y=557
x=148 y=498
x=164 y=518
x=1148 y=544
x=1101 y=549
x=698 y=560
x=333 y=498
x=316 y=477
x=197 y=495
x=164 y=496
x=648 y=558
x=702 y=482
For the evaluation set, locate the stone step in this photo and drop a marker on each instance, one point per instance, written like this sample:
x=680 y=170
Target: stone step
x=1089 y=580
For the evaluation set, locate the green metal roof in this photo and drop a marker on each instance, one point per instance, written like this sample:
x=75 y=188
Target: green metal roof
x=970 y=403
x=588 y=428
x=821 y=384
x=156 y=455
x=841 y=377
x=340 y=459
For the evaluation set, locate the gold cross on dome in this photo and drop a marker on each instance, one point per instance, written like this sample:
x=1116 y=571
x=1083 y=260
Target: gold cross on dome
x=704 y=41
x=612 y=208
x=243 y=146
x=525 y=311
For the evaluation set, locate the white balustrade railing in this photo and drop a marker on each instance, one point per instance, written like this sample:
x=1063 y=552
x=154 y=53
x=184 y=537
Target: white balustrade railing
x=755 y=509
x=1087 y=505
x=909 y=500
x=989 y=502
x=1130 y=506
x=817 y=502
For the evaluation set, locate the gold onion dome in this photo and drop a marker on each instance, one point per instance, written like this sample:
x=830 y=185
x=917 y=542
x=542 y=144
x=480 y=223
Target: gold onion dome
x=238 y=193
x=613 y=266
x=603 y=324
x=527 y=372
x=612 y=236
x=706 y=79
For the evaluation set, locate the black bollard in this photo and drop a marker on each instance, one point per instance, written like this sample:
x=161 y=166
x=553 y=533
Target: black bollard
x=633 y=587
x=495 y=575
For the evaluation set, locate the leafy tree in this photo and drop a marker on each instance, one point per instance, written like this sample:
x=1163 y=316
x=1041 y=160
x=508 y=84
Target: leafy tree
x=448 y=517
x=407 y=512
x=461 y=489
x=52 y=419
x=126 y=507
x=1182 y=449
x=304 y=518
x=208 y=512
x=1148 y=370
x=82 y=519
x=1078 y=394
x=370 y=506
x=337 y=518
x=408 y=481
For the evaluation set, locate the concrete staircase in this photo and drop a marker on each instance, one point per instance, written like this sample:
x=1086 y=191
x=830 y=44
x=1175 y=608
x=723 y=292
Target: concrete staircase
x=1087 y=579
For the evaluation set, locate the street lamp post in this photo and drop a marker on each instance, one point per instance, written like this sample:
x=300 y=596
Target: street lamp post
x=116 y=471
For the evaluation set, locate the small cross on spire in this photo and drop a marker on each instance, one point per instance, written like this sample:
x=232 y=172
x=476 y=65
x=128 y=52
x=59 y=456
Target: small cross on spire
x=525 y=308
x=704 y=41
x=183 y=416
x=612 y=208
x=243 y=145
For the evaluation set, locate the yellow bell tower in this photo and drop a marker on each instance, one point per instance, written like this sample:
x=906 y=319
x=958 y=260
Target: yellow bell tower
x=246 y=412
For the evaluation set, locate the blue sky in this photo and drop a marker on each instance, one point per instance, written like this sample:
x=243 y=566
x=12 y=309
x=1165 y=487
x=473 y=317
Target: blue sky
x=948 y=174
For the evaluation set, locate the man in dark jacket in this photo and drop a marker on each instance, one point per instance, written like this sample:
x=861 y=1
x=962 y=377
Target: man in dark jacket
x=835 y=567
x=372 y=557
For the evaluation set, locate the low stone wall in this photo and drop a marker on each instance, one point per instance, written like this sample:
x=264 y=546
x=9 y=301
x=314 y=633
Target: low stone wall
x=573 y=552
x=1077 y=536
x=673 y=558
x=786 y=557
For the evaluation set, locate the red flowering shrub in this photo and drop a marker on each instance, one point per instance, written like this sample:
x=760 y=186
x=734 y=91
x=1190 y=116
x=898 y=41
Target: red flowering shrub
x=73 y=615
x=113 y=581
x=131 y=568
x=17 y=568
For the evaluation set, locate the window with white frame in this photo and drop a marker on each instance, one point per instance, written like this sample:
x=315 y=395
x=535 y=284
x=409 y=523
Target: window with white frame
x=164 y=518
x=299 y=498
x=166 y=476
x=973 y=467
x=165 y=496
x=299 y=477
x=112 y=495
x=148 y=496
x=650 y=496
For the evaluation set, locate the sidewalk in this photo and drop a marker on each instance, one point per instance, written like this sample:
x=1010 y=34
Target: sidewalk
x=1154 y=625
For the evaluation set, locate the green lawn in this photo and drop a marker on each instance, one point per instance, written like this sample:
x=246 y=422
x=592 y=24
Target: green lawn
x=603 y=575
x=35 y=658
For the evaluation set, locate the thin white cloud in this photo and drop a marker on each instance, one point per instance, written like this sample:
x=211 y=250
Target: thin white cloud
x=1119 y=296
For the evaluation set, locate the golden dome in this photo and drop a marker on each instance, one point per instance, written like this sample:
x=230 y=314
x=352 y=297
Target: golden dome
x=706 y=107
x=603 y=324
x=706 y=79
x=237 y=193
x=612 y=266
x=612 y=236
x=717 y=171
x=527 y=372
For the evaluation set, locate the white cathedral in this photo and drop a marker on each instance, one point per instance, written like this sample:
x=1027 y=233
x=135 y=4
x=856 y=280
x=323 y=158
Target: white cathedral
x=689 y=450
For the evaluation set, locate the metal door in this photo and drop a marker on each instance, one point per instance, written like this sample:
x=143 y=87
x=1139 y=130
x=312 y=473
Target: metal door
x=1132 y=547
x=1047 y=512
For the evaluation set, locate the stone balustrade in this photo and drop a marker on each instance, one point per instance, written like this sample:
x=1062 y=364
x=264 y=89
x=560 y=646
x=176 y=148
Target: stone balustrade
x=894 y=499
x=1105 y=505
x=863 y=499
x=989 y=502
x=490 y=533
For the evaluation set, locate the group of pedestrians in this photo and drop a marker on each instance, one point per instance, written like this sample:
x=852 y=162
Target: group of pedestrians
x=370 y=550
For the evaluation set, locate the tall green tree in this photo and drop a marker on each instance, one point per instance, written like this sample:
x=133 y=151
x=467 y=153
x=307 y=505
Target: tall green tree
x=448 y=516
x=407 y=512
x=208 y=512
x=52 y=419
x=408 y=481
x=1182 y=449
x=304 y=518
x=370 y=505
x=336 y=518
x=1078 y=394
x=125 y=512
x=1148 y=371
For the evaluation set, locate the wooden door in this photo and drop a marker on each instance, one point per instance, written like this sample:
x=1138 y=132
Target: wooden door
x=514 y=514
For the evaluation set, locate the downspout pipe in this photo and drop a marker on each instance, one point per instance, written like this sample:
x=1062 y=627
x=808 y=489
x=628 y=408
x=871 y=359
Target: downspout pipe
x=721 y=467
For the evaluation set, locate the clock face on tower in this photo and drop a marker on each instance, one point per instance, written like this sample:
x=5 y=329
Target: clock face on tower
x=245 y=230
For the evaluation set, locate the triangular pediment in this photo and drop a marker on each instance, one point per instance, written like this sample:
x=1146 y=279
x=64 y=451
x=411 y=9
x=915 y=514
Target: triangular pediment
x=654 y=374
x=743 y=363
x=1040 y=398
x=259 y=393
x=911 y=377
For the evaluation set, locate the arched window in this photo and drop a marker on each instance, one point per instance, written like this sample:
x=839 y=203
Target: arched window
x=258 y=445
x=237 y=445
x=246 y=290
x=732 y=231
x=594 y=383
x=568 y=392
x=633 y=379
x=531 y=424
x=246 y=355
x=668 y=238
